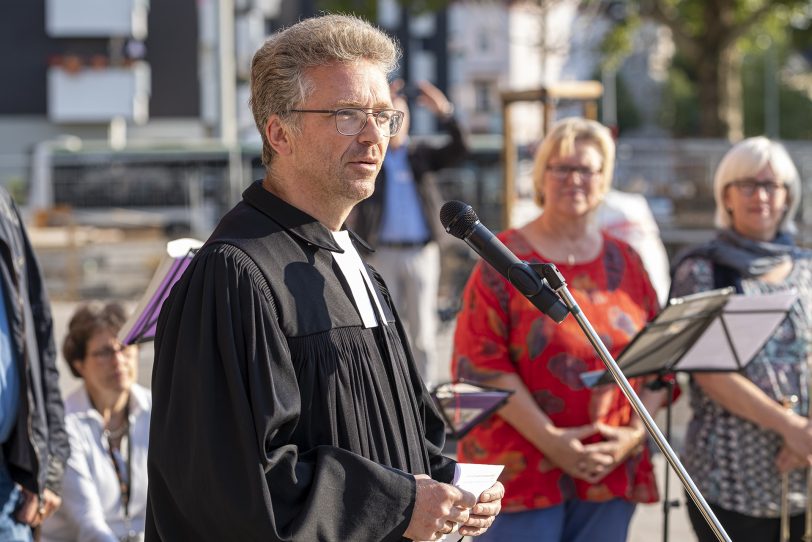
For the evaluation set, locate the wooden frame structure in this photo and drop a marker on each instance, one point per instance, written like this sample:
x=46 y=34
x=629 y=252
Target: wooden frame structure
x=587 y=92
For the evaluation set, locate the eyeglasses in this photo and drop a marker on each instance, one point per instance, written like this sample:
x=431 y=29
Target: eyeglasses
x=109 y=352
x=351 y=121
x=748 y=187
x=562 y=173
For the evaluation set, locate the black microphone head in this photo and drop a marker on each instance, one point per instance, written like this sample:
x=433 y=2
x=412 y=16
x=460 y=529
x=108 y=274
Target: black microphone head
x=458 y=218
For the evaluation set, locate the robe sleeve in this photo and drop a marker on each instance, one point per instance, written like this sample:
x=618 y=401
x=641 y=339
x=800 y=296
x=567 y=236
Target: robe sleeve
x=225 y=403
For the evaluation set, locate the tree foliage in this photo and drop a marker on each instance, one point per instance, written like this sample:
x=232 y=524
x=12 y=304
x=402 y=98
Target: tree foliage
x=711 y=37
x=368 y=9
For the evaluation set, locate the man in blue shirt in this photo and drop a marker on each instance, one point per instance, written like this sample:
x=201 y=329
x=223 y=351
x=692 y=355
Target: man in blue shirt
x=401 y=221
x=33 y=442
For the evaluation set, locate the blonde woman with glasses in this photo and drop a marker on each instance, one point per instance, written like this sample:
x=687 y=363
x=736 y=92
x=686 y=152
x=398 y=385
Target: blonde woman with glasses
x=575 y=458
x=741 y=440
x=107 y=418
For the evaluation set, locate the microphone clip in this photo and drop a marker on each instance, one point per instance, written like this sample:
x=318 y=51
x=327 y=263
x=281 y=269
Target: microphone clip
x=549 y=272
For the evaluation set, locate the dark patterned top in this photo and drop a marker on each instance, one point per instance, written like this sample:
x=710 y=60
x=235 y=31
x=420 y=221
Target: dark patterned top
x=731 y=460
x=500 y=331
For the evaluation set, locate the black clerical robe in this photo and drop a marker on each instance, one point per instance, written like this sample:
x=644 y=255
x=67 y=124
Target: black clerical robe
x=276 y=415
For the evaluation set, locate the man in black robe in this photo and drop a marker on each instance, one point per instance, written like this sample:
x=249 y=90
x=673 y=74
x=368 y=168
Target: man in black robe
x=286 y=404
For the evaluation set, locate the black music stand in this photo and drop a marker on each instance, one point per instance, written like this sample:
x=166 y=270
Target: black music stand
x=707 y=332
x=711 y=332
x=465 y=404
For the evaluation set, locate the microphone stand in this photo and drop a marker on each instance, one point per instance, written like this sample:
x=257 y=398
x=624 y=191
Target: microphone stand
x=556 y=281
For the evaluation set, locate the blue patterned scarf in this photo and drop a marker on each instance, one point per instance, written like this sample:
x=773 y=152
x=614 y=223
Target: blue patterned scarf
x=750 y=258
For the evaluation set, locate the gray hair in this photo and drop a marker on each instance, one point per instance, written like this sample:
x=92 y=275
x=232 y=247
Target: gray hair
x=561 y=142
x=745 y=159
x=278 y=80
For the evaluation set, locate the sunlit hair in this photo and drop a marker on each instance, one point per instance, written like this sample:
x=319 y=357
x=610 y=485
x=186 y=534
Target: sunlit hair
x=745 y=159
x=278 y=70
x=89 y=319
x=561 y=142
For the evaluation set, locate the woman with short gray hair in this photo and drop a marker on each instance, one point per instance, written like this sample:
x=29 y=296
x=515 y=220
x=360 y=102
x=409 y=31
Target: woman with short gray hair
x=741 y=440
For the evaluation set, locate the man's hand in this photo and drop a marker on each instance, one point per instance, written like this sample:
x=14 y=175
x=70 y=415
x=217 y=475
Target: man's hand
x=33 y=512
x=433 y=99
x=485 y=511
x=438 y=508
x=430 y=97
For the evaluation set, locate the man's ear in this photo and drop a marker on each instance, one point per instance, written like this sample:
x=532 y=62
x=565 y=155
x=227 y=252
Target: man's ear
x=279 y=136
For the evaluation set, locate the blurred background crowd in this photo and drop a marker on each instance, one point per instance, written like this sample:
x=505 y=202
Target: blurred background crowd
x=128 y=119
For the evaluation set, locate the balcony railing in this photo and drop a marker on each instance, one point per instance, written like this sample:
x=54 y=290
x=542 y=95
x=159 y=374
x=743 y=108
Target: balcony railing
x=94 y=95
x=96 y=18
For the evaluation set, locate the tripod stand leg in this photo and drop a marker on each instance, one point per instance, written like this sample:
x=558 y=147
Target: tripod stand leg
x=788 y=403
x=807 y=537
x=666 y=483
x=666 y=505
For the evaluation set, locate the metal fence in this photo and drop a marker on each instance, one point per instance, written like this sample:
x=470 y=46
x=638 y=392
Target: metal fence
x=181 y=192
x=676 y=176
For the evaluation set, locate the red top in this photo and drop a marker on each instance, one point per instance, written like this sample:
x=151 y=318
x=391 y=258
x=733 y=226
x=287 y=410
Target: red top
x=499 y=330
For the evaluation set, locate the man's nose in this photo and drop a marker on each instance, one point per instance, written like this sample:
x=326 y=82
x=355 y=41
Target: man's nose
x=372 y=133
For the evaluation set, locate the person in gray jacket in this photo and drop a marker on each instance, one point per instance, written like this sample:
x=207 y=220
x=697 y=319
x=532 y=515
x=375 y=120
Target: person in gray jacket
x=33 y=441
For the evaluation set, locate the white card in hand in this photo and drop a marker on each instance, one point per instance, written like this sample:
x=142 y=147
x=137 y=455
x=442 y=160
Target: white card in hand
x=473 y=478
x=476 y=478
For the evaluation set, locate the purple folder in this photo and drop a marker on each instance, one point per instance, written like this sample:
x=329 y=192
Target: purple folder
x=141 y=325
x=464 y=404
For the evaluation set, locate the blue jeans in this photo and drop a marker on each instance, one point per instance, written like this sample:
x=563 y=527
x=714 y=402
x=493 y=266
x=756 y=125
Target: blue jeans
x=10 y=529
x=573 y=521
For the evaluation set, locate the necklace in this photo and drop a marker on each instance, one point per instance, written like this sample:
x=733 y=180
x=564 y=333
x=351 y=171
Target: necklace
x=558 y=247
x=118 y=432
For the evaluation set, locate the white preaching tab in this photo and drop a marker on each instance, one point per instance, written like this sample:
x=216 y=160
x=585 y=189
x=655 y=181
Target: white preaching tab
x=360 y=284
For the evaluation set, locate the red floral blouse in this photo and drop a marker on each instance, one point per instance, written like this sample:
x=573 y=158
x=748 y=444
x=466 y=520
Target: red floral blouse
x=498 y=330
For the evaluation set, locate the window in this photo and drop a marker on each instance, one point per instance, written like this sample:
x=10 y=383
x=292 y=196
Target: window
x=483 y=102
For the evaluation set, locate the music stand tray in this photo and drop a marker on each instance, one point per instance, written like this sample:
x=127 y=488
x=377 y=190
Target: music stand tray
x=140 y=327
x=464 y=404
x=709 y=331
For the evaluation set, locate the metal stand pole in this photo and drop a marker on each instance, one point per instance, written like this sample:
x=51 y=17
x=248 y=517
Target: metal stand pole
x=666 y=482
x=668 y=504
x=557 y=283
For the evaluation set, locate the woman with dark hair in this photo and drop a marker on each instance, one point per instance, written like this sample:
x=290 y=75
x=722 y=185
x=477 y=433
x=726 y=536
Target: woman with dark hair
x=105 y=485
x=741 y=439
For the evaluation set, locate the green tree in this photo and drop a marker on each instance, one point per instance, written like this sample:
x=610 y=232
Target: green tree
x=711 y=37
x=368 y=9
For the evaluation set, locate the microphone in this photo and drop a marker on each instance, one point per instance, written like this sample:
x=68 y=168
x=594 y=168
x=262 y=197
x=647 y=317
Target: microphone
x=460 y=220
